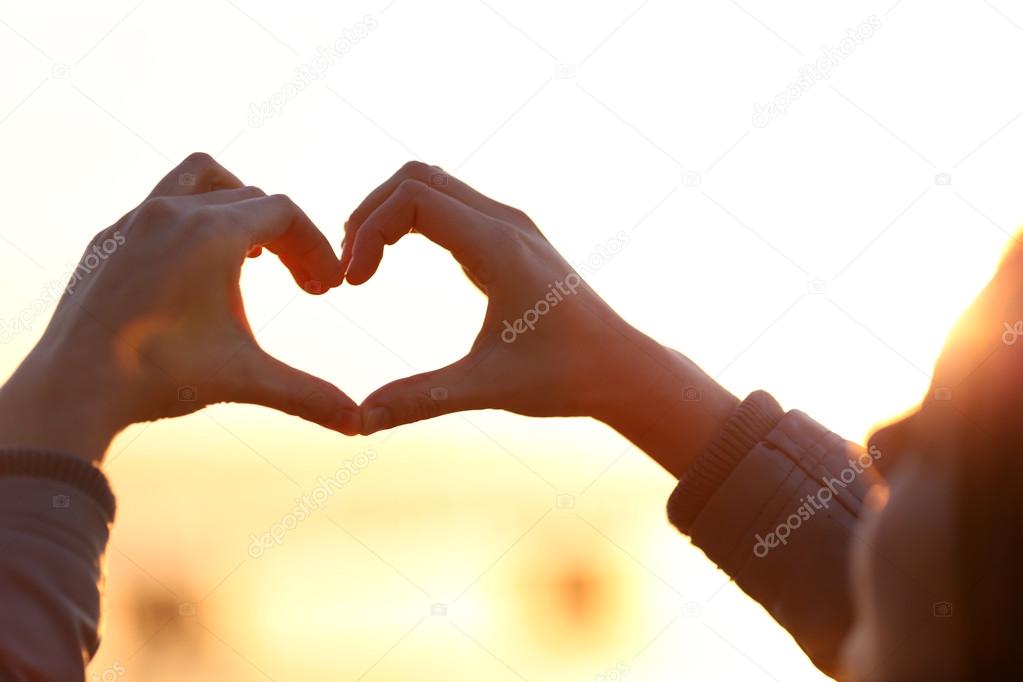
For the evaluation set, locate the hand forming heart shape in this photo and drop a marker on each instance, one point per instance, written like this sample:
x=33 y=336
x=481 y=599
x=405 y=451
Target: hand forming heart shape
x=154 y=311
x=549 y=346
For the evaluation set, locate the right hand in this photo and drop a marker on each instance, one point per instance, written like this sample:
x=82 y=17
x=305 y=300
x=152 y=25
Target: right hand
x=549 y=345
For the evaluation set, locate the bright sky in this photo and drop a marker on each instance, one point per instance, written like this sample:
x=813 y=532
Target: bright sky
x=820 y=254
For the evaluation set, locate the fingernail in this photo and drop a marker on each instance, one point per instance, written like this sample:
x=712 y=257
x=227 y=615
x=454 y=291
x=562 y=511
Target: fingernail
x=313 y=286
x=377 y=418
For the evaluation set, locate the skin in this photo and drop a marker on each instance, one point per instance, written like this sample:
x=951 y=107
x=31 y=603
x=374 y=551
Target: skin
x=143 y=325
x=158 y=328
x=581 y=358
x=544 y=371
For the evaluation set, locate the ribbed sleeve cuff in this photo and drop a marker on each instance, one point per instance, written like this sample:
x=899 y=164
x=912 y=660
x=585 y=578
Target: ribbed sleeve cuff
x=59 y=466
x=752 y=420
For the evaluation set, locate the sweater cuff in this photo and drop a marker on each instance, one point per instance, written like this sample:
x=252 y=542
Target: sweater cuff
x=752 y=420
x=60 y=466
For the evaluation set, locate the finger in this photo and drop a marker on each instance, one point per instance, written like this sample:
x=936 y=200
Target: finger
x=277 y=224
x=261 y=379
x=454 y=388
x=197 y=174
x=434 y=177
x=462 y=230
x=224 y=196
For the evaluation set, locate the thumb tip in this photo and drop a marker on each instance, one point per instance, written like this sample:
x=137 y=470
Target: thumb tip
x=347 y=421
x=376 y=419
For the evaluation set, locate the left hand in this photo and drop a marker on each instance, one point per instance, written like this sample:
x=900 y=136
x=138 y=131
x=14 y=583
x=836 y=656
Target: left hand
x=152 y=323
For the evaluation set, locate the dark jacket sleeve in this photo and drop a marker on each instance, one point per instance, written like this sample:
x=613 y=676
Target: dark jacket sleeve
x=55 y=516
x=774 y=502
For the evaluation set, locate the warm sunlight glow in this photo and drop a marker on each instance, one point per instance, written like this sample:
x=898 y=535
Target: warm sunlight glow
x=816 y=257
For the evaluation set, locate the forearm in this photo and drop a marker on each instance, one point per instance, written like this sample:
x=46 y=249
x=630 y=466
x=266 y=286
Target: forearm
x=664 y=404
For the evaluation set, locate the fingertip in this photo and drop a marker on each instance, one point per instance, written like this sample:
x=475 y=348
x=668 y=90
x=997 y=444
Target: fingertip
x=347 y=421
x=318 y=287
x=376 y=419
x=354 y=278
x=360 y=270
x=314 y=287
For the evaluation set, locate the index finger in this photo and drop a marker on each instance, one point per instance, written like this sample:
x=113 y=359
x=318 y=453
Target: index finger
x=462 y=230
x=276 y=223
x=433 y=177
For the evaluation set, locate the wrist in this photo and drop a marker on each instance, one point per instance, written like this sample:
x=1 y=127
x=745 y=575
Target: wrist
x=62 y=397
x=665 y=404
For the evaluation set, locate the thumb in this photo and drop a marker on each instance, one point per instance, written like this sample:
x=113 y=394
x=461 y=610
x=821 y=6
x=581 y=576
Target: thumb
x=261 y=379
x=454 y=388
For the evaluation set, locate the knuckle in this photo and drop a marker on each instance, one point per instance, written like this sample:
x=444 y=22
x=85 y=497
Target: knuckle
x=520 y=217
x=284 y=201
x=203 y=216
x=516 y=217
x=424 y=406
x=157 y=210
x=412 y=190
x=197 y=230
x=198 y=160
x=415 y=169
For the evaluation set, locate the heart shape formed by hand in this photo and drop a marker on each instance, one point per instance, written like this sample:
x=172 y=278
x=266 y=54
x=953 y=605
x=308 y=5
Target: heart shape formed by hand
x=539 y=310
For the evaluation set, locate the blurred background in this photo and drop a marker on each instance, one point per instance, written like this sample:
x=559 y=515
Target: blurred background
x=800 y=197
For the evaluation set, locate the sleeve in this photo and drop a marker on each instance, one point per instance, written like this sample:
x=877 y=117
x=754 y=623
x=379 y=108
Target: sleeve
x=774 y=501
x=55 y=515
